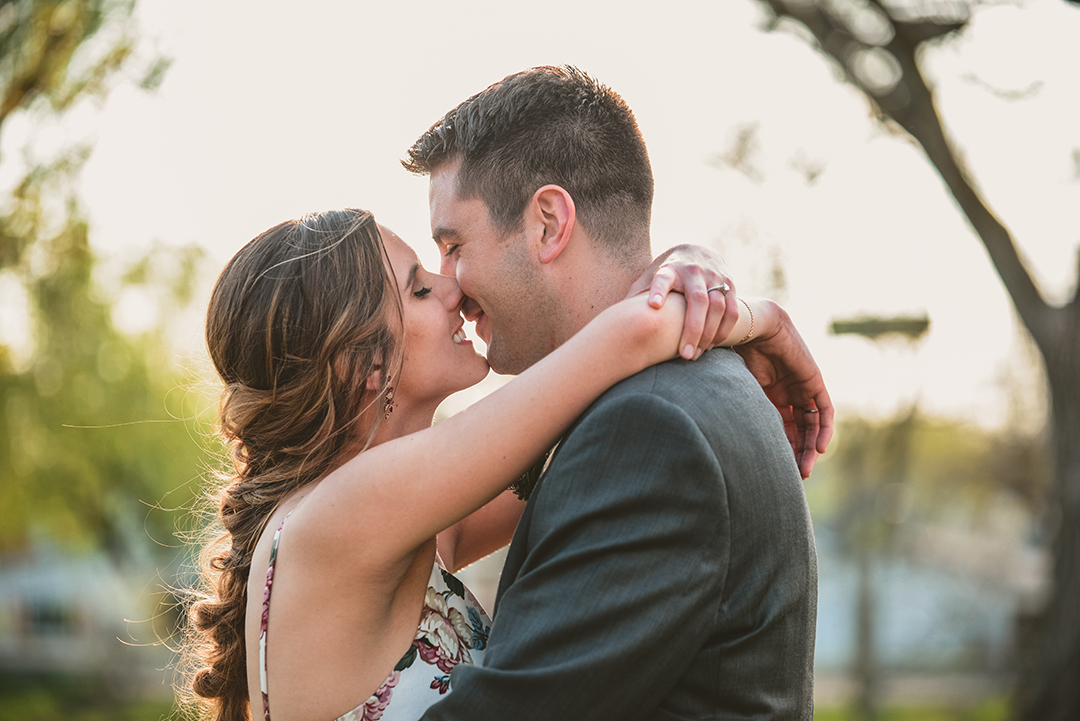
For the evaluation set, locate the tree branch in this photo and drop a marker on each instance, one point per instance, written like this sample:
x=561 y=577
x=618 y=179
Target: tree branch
x=909 y=103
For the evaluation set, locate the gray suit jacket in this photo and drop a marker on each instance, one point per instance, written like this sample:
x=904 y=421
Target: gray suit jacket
x=664 y=567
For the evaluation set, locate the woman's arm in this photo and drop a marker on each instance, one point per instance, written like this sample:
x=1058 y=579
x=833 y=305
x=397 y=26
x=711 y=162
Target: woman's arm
x=490 y=528
x=692 y=270
x=394 y=497
x=775 y=354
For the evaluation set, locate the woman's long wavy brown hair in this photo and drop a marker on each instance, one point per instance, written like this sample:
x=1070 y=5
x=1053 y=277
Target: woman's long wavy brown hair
x=298 y=320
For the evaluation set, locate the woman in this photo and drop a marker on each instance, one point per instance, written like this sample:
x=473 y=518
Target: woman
x=336 y=346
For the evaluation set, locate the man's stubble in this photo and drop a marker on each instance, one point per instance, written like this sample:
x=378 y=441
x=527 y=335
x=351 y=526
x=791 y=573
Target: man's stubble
x=529 y=314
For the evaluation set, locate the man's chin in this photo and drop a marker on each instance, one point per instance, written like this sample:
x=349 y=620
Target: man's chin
x=497 y=361
x=504 y=363
x=499 y=368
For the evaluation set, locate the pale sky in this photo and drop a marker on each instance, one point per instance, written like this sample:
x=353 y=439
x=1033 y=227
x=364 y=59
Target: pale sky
x=271 y=110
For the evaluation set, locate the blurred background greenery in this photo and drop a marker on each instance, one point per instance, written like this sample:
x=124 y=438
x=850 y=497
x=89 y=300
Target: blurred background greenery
x=102 y=449
x=948 y=550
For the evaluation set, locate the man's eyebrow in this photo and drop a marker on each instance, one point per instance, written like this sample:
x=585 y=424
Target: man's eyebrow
x=440 y=233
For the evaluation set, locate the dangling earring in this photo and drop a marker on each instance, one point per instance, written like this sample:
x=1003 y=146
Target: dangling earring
x=388 y=402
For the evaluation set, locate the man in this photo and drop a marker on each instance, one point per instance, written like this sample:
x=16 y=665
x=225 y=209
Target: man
x=664 y=566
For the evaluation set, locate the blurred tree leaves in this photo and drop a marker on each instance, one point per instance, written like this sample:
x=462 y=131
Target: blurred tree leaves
x=92 y=419
x=40 y=44
x=950 y=467
x=895 y=488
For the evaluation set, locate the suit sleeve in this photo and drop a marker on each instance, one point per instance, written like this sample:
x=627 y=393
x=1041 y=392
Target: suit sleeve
x=627 y=554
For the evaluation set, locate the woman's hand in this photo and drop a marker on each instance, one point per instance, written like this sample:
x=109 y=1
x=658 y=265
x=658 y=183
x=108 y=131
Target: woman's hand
x=692 y=270
x=641 y=333
x=764 y=336
x=780 y=361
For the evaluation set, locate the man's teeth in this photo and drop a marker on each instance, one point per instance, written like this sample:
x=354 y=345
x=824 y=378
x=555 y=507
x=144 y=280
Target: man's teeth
x=459 y=336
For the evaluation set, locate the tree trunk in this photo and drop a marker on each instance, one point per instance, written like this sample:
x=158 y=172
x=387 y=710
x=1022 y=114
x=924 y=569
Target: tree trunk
x=1050 y=682
x=1050 y=685
x=866 y=666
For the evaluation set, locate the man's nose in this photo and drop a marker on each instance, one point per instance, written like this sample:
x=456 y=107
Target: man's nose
x=448 y=266
x=471 y=309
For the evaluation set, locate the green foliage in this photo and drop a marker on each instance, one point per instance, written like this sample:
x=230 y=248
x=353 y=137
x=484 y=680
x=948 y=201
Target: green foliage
x=44 y=53
x=92 y=419
x=944 y=464
x=82 y=419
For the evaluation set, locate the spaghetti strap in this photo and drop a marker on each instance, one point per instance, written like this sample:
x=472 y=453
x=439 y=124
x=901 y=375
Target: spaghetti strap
x=453 y=629
x=265 y=615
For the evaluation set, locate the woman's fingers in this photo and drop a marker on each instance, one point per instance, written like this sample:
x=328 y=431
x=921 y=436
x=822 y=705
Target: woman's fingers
x=661 y=285
x=710 y=334
x=697 y=311
x=728 y=307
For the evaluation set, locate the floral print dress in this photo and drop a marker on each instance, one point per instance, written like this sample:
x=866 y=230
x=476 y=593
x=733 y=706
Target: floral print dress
x=453 y=629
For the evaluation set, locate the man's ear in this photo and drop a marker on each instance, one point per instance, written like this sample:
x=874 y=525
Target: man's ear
x=554 y=209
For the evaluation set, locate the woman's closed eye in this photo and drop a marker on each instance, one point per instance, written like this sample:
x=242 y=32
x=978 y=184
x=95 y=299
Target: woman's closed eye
x=421 y=293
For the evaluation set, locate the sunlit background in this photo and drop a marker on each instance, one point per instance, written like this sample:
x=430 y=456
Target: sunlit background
x=256 y=112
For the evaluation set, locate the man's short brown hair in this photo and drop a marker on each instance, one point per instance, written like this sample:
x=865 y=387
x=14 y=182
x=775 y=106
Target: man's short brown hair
x=547 y=125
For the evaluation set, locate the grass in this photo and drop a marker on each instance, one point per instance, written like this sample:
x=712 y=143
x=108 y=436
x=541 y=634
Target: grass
x=63 y=699
x=37 y=698
x=993 y=710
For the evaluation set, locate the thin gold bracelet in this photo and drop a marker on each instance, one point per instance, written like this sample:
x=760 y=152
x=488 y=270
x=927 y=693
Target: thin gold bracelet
x=750 y=333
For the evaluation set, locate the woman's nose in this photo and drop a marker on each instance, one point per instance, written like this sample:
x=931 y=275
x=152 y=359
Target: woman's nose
x=450 y=292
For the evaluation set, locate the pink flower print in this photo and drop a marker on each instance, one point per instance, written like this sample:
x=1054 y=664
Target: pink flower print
x=441 y=684
x=373 y=708
x=439 y=642
x=266 y=596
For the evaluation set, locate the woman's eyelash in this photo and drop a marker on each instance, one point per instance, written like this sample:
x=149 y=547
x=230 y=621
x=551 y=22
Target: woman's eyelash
x=422 y=292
